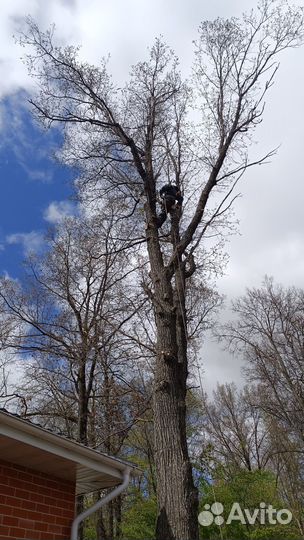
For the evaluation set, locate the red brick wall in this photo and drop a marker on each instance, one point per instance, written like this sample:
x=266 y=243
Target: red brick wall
x=34 y=505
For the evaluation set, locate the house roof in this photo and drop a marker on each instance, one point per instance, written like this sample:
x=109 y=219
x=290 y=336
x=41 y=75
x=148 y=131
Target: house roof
x=27 y=444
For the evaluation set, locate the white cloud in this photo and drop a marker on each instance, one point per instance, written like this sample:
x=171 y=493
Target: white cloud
x=58 y=210
x=15 y=138
x=123 y=29
x=31 y=242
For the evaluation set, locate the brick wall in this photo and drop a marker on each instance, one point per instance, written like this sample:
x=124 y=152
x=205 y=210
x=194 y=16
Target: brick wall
x=34 y=505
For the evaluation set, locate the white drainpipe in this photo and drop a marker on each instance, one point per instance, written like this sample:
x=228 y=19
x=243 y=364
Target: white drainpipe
x=100 y=503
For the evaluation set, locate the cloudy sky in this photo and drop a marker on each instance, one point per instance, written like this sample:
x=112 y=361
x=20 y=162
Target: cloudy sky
x=35 y=191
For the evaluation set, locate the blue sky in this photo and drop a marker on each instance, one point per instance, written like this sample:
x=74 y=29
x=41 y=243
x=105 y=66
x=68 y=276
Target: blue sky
x=31 y=181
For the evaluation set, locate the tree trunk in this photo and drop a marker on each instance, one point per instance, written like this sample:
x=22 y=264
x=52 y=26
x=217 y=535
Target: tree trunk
x=110 y=519
x=79 y=510
x=101 y=531
x=176 y=494
x=82 y=434
x=82 y=427
x=118 y=517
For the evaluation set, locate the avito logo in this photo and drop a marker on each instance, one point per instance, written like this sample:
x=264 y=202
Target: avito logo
x=264 y=514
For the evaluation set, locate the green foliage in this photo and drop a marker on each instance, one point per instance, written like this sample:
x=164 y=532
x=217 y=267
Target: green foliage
x=249 y=489
x=90 y=533
x=278 y=532
x=139 y=520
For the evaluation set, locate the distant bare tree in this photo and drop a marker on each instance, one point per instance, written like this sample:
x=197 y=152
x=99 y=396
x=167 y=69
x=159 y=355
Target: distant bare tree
x=68 y=315
x=239 y=434
x=235 y=430
x=269 y=333
x=128 y=142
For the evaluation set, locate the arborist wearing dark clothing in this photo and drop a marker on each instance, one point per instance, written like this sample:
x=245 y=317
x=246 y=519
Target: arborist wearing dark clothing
x=171 y=197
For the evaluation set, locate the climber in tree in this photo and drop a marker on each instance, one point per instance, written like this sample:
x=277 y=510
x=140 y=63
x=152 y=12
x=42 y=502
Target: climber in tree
x=171 y=198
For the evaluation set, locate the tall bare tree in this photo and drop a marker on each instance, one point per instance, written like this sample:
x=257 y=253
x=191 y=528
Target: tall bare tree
x=128 y=142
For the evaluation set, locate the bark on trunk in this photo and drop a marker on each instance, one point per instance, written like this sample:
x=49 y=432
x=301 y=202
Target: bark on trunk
x=101 y=531
x=82 y=406
x=111 y=519
x=118 y=517
x=82 y=434
x=176 y=494
x=79 y=510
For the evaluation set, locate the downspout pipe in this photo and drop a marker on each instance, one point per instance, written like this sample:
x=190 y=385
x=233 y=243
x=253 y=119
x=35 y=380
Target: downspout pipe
x=114 y=493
